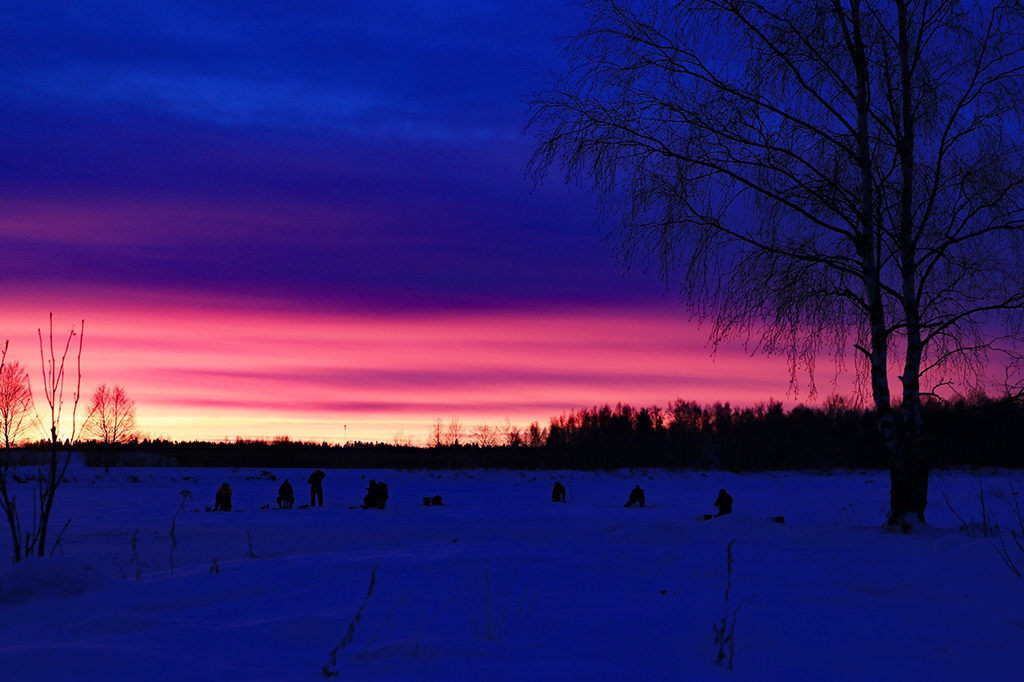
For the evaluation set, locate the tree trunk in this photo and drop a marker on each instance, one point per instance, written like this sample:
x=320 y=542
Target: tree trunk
x=908 y=492
x=46 y=499
x=908 y=472
x=867 y=247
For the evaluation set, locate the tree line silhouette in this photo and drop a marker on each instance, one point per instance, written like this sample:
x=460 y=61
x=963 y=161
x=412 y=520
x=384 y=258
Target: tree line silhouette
x=974 y=431
x=978 y=431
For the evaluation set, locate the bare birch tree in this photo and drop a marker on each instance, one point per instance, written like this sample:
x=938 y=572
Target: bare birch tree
x=111 y=416
x=454 y=432
x=110 y=419
x=8 y=502
x=511 y=435
x=485 y=436
x=821 y=176
x=16 y=406
x=436 y=437
x=16 y=416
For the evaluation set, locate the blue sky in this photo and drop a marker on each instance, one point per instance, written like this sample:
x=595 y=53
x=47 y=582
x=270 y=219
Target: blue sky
x=200 y=180
x=304 y=148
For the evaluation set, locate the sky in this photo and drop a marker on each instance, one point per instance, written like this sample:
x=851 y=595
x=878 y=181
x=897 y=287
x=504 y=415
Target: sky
x=312 y=219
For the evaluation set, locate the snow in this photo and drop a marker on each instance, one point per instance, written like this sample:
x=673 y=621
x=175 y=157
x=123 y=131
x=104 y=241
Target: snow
x=48 y=578
x=501 y=584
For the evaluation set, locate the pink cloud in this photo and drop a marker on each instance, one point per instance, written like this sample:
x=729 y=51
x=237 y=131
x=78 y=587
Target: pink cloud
x=217 y=368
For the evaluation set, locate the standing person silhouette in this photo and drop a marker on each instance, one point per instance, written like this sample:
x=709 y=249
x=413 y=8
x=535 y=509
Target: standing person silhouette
x=316 y=488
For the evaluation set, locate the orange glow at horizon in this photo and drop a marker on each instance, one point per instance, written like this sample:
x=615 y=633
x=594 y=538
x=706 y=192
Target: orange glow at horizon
x=221 y=369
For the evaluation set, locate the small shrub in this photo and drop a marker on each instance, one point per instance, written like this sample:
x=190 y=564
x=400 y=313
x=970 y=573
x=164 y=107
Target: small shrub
x=186 y=495
x=330 y=668
x=252 y=550
x=1012 y=553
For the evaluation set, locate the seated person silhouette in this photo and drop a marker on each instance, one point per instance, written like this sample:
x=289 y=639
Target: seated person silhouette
x=223 y=499
x=376 y=495
x=636 y=498
x=285 y=495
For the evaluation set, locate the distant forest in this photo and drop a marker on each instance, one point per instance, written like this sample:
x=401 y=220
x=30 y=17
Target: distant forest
x=975 y=432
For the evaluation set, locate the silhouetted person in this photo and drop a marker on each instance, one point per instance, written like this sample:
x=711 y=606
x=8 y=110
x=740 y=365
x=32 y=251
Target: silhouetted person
x=723 y=503
x=376 y=495
x=285 y=495
x=370 y=498
x=636 y=498
x=558 y=493
x=316 y=488
x=223 y=499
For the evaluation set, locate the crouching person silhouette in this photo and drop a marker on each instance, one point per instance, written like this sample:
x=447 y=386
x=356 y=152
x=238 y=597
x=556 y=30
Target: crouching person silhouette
x=223 y=499
x=636 y=498
x=376 y=495
x=558 y=492
x=285 y=495
x=723 y=503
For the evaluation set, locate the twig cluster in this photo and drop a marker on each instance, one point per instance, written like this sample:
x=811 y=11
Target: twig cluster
x=134 y=558
x=186 y=495
x=725 y=629
x=1012 y=553
x=986 y=527
x=26 y=542
x=252 y=550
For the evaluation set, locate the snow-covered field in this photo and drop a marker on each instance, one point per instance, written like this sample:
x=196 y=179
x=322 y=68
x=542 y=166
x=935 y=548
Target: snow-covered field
x=501 y=584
